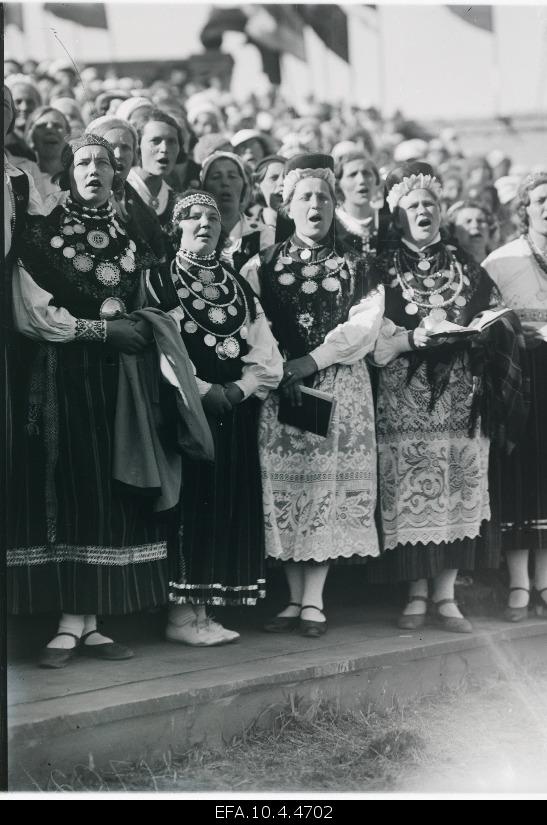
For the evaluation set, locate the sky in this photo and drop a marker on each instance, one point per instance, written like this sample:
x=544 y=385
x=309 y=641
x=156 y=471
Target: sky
x=420 y=58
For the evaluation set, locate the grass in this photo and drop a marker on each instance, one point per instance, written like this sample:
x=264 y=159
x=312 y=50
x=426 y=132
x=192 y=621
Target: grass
x=488 y=736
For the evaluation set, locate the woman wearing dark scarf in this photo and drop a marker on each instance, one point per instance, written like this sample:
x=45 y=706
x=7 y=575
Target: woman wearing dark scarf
x=432 y=418
x=319 y=492
x=141 y=220
x=79 y=543
x=519 y=270
x=220 y=558
x=357 y=182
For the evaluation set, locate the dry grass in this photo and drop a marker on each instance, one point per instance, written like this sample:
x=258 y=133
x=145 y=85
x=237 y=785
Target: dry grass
x=479 y=737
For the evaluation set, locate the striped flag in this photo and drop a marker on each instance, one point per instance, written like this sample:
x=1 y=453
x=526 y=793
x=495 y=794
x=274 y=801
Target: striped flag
x=13 y=15
x=92 y=15
x=330 y=24
x=480 y=16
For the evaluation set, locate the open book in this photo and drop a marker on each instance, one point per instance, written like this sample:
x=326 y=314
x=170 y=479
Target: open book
x=444 y=329
x=315 y=414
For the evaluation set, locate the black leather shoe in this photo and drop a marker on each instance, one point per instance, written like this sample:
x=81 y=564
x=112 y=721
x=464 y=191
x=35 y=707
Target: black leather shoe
x=58 y=657
x=283 y=624
x=310 y=628
x=516 y=614
x=112 y=651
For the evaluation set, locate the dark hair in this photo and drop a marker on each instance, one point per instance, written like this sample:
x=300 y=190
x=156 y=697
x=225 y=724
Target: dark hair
x=469 y=204
x=527 y=185
x=35 y=116
x=364 y=135
x=162 y=117
x=67 y=159
x=174 y=229
x=7 y=91
x=354 y=154
x=259 y=174
x=405 y=170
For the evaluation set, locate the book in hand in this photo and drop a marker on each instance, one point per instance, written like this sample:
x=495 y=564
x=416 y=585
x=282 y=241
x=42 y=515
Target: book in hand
x=315 y=414
x=446 y=329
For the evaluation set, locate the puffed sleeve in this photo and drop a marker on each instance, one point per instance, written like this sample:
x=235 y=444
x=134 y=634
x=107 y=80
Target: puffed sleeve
x=391 y=342
x=249 y=271
x=263 y=364
x=33 y=313
x=349 y=342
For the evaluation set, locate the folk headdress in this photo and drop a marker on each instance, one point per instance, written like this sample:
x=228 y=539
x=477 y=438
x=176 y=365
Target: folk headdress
x=307 y=166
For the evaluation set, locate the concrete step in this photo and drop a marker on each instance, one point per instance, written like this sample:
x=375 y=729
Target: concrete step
x=171 y=697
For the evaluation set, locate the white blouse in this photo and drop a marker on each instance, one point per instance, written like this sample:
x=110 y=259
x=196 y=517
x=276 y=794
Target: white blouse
x=351 y=340
x=34 y=207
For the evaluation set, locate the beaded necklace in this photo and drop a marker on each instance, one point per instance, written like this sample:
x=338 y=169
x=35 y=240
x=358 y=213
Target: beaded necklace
x=289 y=269
x=433 y=284
x=85 y=231
x=208 y=295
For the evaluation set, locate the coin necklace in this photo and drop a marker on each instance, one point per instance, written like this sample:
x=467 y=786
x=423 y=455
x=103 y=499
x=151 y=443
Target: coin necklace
x=330 y=267
x=435 y=283
x=226 y=344
x=80 y=245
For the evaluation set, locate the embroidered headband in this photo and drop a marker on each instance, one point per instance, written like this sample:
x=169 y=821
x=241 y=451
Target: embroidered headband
x=292 y=178
x=185 y=202
x=421 y=181
x=87 y=139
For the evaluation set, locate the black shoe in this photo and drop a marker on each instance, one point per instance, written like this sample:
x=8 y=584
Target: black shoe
x=312 y=629
x=516 y=614
x=58 y=657
x=283 y=624
x=112 y=651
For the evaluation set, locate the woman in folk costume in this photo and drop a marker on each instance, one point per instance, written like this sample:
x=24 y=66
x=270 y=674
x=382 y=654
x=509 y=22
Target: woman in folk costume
x=79 y=543
x=319 y=492
x=357 y=182
x=436 y=404
x=268 y=179
x=519 y=270
x=228 y=179
x=221 y=557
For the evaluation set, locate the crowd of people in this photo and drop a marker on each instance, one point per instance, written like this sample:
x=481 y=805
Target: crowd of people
x=190 y=284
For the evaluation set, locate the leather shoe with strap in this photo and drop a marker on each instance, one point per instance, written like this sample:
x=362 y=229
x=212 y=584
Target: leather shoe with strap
x=112 y=651
x=310 y=628
x=516 y=614
x=58 y=657
x=540 y=602
x=412 y=621
x=283 y=624
x=454 y=624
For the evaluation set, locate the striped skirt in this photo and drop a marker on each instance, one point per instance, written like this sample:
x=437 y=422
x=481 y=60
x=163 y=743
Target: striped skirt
x=524 y=471
x=77 y=541
x=219 y=557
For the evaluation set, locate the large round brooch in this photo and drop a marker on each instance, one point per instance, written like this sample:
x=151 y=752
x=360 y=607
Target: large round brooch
x=79 y=229
x=330 y=284
x=83 y=263
x=232 y=310
x=56 y=242
x=68 y=230
x=127 y=263
x=108 y=273
x=411 y=309
x=217 y=315
x=310 y=271
x=286 y=279
x=190 y=327
x=309 y=287
x=211 y=293
x=435 y=300
x=206 y=276
x=209 y=340
x=332 y=264
x=98 y=239
x=69 y=252
x=198 y=304
x=111 y=308
x=305 y=254
x=231 y=347
x=424 y=266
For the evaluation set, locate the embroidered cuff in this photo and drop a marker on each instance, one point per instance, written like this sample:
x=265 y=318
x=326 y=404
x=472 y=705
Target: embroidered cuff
x=90 y=330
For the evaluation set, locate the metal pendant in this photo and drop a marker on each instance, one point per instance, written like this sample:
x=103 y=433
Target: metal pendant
x=197 y=286
x=83 y=263
x=411 y=309
x=112 y=232
x=311 y=271
x=232 y=310
x=132 y=246
x=209 y=340
x=231 y=347
x=111 y=308
x=429 y=283
x=79 y=229
x=216 y=315
x=279 y=266
x=309 y=287
x=243 y=332
x=98 y=239
x=424 y=266
x=211 y=293
x=183 y=292
x=284 y=260
x=438 y=315
x=56 y=242
x=466 y=280
x=460 y=301
x=67 y=230
x=206 y=276
x=286 y=279
x=198 y=304
x=69 y=252
x=332 y=264
x=220 y=351
x=305 y=254
x=408 y=294
x=108 y=274
x=127 y=263
x=436 y=300
x=330 y=284
x=190 y=327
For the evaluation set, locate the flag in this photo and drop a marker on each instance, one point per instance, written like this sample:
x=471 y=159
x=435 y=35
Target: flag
x=92 y=15
x=365 y=13
x=480 y=16
x=330 y=23
x=277 y=27
x=13 y=15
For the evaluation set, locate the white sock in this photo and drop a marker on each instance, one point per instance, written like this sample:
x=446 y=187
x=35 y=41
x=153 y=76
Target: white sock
x=90 y=623
x=517 y=565
x=540 y=574
x=443 y=588
x=314 y=581
x=69 y=623
x=295 y=579
x=416 y=608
